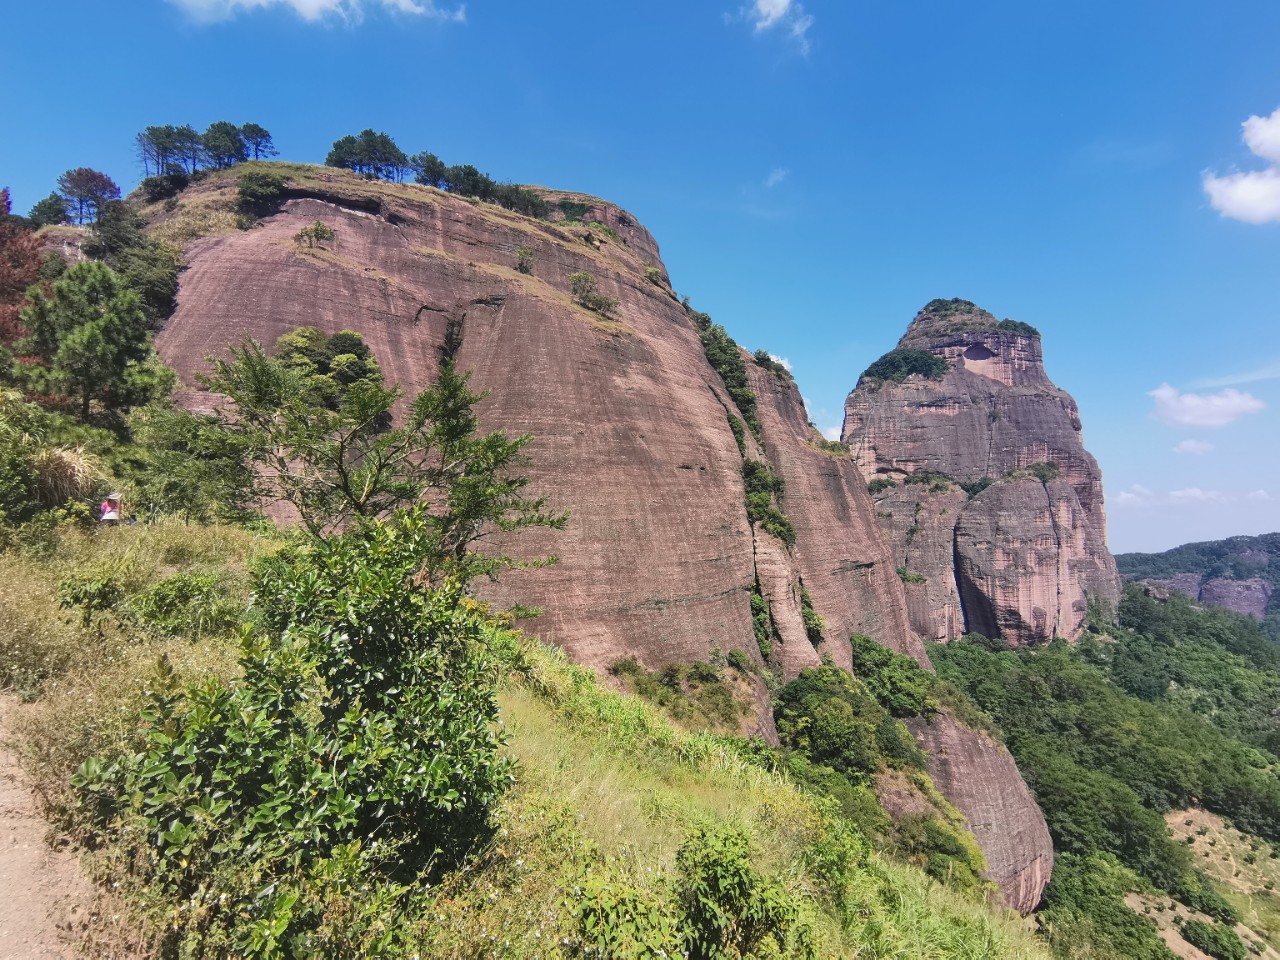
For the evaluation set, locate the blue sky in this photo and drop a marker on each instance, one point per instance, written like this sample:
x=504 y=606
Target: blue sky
x=813 y=173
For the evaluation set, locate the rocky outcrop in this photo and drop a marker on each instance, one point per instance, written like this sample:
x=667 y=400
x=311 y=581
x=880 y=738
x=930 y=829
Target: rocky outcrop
x=1006 y=823
x=631 y=424
x=989 y=501
x=1250 y=597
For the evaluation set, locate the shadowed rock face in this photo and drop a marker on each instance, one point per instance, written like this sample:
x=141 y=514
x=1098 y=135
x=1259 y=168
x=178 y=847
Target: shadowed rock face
x=1023 y=557
x=1006 y=823
x=630 y=427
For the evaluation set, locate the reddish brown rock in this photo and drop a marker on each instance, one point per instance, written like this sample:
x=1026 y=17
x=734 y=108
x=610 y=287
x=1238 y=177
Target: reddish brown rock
x=1249 y=597
x=1006 y=823
x=630 y=425
x=1014 y=559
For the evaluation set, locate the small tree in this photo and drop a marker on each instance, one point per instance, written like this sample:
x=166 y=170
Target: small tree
x=88 y=334
x=315 y=235
x=427 y=168
x=258 y=141
x=85 y=191
x=525 y=259
x=224 y=145
x=50 y=211
x=583 y=287
x=336 y=466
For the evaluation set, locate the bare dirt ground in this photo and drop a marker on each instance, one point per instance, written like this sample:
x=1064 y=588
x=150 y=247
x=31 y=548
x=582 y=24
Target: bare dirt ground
x=46 y=904
x=1241 y=866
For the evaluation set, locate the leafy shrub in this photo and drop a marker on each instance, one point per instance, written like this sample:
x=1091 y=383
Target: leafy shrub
x=187 y=604
x=946 y=308
x=1044 y=472
x=1084 y=909
x=359 y=745
x=763 y=358
x=936 y=482
x=260 y=192
x=897 y=365
x=729 y=909
x=164 y=187
x=880 y=484
x=975 y=487
x=834 y=720
x=762 y=622
x=946 y=853
x=900 y=684
x=723 y=355
x=836 y=447
x=740 y=661
x=907 y=576
x=1018 y=327
x=739 y=431
x=813 y=623
x=525 y=258
x=583 y=287
x=618 y=920
x=653 y=274
x=573 y=210
x=315 y=235
x=694 y=693
x=92 y=594
x=1214 y=939
x=762 y=486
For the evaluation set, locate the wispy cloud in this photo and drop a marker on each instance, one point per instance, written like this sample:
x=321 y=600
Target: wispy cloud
x=349 y=11
x=1259 y=495
x=831 y=433
x=1197 y=495
x=1269 y=371
x=781 y=16
x=775 y=177
x=1188 y=497
x=1254 y=195
x=1179 y=409
x=1194 y=447
x=786 y=364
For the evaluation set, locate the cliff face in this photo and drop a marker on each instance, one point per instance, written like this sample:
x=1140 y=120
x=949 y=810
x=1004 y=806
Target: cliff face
x=985 y=544
x=630 y=423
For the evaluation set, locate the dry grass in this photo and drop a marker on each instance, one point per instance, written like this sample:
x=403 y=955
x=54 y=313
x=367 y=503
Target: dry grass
x=66 y=473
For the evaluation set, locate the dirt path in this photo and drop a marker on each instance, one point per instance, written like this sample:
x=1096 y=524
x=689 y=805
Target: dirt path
x=45 y=902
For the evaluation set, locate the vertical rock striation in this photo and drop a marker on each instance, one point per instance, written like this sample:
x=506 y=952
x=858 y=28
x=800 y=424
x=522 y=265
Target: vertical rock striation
x=632 y=436
x=990 y=503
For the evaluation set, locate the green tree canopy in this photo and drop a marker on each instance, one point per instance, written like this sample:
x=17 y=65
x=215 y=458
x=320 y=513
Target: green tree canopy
x=85 y=191
x=89 y=336
x=50 y=211
x=258 y=141
x=224 y=145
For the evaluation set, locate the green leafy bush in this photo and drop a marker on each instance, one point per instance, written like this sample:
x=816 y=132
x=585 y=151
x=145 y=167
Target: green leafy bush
x=1018 y=327
x=723 y=355
x=762 y=486
x=900 y=684
x=582 y=286
x=813 y=623
x=762 y=622
x=907 y=576
x=897 y=365
x=189 y=604
x=730 y=910
x=1044 y=472
x=975 y=487
x=1214 y=939
x=739 y=431
x=526 y=257
x=618 y=921
x=260 y=192
x=763 y=358
x=880 y=484
x=359 y=744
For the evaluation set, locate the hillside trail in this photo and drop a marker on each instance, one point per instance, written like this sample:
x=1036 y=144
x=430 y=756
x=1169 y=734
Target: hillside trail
x=45 y=901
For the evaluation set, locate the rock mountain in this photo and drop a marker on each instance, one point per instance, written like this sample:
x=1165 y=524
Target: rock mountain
x=988 y=500
x=641 y=438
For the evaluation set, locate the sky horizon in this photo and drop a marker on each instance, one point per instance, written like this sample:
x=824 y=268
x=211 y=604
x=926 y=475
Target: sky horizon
x=814 y=174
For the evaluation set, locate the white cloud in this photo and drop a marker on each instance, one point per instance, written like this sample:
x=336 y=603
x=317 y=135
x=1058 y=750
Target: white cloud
x=1202 y=409
x=1262 y=136
x=831 y=433
x=1259 y=495
x=1136 y=496
x=784 y=15
x=786 y=364
x=1252 y=196
x=1196 y=447
x=351 y=11
x=775 y=177
x=1196 y=495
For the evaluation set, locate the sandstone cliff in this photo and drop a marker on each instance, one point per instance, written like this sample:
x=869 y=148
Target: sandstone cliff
x=991 y=504
x=631 y=424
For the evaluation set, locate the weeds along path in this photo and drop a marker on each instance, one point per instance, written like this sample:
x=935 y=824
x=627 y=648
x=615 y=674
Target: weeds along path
x=45 y=901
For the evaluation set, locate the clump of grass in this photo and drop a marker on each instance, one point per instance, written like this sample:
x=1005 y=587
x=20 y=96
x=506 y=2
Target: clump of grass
x=65 y=473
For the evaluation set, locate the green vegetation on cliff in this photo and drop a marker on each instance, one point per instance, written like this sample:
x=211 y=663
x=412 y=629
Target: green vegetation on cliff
x=1106 y=765
x=897 y=365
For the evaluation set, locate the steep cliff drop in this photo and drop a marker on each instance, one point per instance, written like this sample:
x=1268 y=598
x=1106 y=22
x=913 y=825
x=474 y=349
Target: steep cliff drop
x=635 y=434
x=990 y=503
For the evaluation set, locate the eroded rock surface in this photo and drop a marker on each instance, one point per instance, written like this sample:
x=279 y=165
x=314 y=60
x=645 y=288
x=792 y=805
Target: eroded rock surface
x=1006 y=531
x=1006 y=822
x=630 y=425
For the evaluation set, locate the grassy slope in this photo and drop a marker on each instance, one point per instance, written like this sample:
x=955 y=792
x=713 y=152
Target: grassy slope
x=607 y=788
